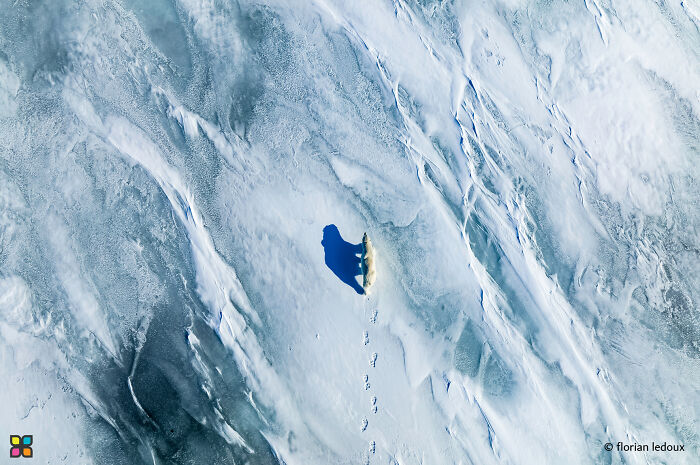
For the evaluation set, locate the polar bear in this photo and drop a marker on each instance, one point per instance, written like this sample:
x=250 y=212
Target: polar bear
x=369 y=273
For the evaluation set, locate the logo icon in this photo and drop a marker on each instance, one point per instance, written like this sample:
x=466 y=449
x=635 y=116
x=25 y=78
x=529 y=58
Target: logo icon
x=21 y=446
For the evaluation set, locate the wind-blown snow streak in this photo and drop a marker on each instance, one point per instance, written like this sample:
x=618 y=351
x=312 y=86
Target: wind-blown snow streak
x=217 y=284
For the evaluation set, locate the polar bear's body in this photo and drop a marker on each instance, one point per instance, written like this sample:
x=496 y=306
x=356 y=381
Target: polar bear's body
x=369 y=273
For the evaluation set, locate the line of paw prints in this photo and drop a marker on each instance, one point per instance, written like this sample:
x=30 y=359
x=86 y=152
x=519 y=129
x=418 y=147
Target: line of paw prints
x=373 y=407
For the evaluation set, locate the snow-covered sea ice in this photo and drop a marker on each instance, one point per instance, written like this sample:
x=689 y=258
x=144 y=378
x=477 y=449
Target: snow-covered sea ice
x=184 y=189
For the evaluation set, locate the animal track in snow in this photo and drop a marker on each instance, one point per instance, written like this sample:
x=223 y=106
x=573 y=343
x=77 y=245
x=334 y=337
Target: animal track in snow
x=373 y=408
x=373 y=360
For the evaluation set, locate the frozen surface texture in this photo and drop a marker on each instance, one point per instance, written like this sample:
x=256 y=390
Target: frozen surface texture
x=184 y=185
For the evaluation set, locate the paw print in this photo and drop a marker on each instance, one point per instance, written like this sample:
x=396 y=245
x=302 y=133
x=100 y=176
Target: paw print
x=373 y=360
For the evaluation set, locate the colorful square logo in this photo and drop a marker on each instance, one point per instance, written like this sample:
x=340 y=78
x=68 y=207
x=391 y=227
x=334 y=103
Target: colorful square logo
x=21 y=446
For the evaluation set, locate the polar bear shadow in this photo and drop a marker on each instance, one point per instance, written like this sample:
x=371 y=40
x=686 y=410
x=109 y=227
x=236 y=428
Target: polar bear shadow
x=342 y=257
